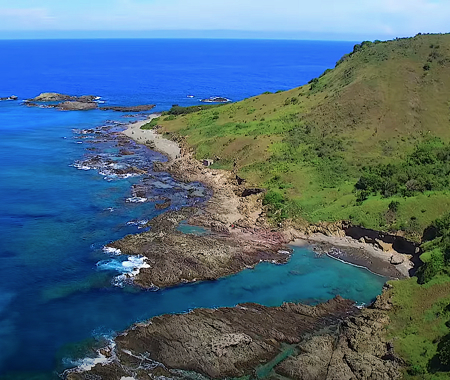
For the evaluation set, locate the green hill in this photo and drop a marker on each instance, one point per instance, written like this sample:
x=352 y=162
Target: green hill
x=367 y=142
x=382 y=104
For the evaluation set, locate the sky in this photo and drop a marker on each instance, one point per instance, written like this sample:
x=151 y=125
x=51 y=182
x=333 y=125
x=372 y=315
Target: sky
x=294 y=19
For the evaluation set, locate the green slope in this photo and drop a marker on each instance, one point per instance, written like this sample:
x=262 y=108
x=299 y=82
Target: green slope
x=311 y=145
x=367 y=142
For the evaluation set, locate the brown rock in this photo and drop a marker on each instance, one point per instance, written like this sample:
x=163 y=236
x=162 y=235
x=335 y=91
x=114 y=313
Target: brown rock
x=386 y=247
x=226 y=342
x=77 y=106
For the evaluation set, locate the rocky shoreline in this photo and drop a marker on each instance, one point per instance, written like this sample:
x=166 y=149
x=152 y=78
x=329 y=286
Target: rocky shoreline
x=330 y=341
x=239 y=213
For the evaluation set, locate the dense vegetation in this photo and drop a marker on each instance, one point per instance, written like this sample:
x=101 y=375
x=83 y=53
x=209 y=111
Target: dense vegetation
x=427 y=168
x=368 y=142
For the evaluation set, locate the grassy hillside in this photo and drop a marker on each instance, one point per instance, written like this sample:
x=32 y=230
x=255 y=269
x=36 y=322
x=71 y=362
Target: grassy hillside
x=367 y=142
x=385 y=103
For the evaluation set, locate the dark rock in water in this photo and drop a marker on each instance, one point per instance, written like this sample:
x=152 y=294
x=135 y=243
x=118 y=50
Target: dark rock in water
x=12 y=97
x=124 y=152
x=129 y=170
x=56 y=97
x=164 y=205
x=77 y=106
x=141 y=108
x=248 y=192
x=32 y=104
x=79 y=103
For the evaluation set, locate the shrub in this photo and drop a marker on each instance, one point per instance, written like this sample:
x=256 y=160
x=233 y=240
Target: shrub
x=431 y=268
x=444 y=353
x=325 y=72
x=427 y=168
x=151 y=124
x=393 y=206
x=277 y=205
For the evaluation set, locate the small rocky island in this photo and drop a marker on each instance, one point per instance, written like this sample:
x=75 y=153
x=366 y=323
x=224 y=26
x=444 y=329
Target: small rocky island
x=216 y=99
x=65 y=102
x=12 y=97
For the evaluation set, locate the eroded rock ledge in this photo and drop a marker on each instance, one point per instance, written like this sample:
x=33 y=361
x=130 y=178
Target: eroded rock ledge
x=331 y=341
x=175 y=257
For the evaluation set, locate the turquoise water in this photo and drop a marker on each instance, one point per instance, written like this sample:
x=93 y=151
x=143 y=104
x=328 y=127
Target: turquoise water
x=58 y=285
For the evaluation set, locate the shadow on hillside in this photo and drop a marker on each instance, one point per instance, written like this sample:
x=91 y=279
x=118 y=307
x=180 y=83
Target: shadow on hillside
x=399 y=243
x=435 y=364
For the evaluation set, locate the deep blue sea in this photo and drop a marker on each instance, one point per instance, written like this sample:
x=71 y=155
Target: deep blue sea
x=59 y=291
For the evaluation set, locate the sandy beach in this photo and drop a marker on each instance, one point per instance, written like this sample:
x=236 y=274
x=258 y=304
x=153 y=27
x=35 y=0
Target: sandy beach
x=150 y=137
x=360 y=254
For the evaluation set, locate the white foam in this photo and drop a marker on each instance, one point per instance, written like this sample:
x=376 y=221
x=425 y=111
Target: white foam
x=136 y=200
x=130 y=267
x=81 y=166
x=87 y=364
x=138 y=223
x=112 y=251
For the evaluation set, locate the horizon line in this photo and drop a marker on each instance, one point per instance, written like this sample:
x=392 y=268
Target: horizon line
x=188 y=34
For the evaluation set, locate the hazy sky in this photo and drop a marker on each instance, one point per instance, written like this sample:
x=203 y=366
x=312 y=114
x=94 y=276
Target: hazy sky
x=343 y=19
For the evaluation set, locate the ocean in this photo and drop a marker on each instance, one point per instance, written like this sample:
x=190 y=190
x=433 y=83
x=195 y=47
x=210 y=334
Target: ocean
x=61 y=293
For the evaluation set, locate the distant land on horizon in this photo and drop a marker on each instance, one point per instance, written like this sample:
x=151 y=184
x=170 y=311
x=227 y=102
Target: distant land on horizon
x=185 y=34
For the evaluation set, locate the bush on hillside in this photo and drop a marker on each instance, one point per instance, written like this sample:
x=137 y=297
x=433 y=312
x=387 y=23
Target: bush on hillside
x=431 y=268
x=427 y=168
x=276 y=204
x=393 y=206
x=178 y=110
x=151 y=124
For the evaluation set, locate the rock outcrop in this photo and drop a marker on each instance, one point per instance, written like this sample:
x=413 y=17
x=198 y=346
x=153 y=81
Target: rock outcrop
x=56 y=97
x=176 y=258
x=216 y=99
x=331 y=341
x=77 y=106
